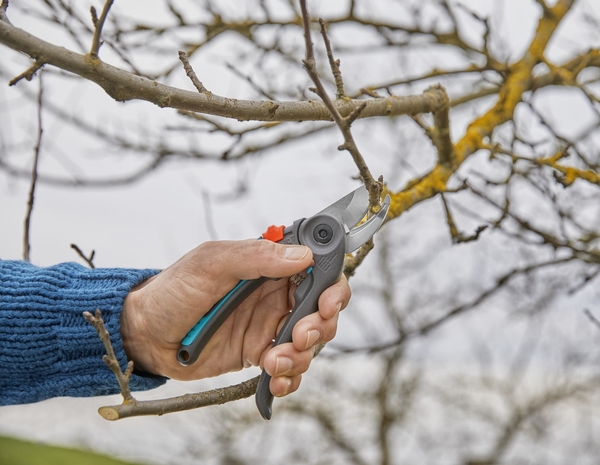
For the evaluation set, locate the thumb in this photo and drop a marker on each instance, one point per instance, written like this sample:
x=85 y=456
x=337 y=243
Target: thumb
x=251 y=259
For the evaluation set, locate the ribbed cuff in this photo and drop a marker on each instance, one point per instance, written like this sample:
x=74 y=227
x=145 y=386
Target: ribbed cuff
x=47 y=349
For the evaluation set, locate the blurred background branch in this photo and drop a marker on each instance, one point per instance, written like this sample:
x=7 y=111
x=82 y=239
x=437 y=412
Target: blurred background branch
x=465 y=341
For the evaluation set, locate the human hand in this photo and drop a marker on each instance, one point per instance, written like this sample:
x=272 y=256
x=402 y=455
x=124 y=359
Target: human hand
x=158 y=313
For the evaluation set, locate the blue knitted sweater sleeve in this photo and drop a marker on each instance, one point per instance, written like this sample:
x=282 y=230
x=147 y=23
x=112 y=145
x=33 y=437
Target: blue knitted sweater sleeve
x=47 y=349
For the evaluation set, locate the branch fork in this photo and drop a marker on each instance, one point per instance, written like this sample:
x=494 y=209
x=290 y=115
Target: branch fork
x=344 y=123
x=98 y=23
x=110 y=358
x=189 y=71
x=132 y=407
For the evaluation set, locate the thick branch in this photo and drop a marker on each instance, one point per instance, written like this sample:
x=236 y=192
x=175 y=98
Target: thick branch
x=122 y=85
x=517 y=82
x=441 y=133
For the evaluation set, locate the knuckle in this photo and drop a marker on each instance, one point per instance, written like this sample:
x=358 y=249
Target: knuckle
x=263 y=252
x=263 y=248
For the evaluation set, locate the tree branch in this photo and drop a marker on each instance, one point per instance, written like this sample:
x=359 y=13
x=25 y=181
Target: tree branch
x=333 y=63
x=344 y=123
x=133 y=408
x=34 y=176
x=28 y=73
x=441 y=131
x=98 y=25
x=122 y=86
x=457 y=236
x=592 y=318
x=191 y=74
x=110 y=358
x=88 y=260
x=509 y=96
x=181 y=403
x=3 y=8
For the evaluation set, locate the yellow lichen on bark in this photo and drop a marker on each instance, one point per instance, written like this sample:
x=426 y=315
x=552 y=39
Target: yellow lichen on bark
x=518 y=80
x=570 y=173
x=418 y=190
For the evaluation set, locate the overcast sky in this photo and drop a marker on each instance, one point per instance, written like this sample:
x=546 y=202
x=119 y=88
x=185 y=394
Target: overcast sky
x=153 y=222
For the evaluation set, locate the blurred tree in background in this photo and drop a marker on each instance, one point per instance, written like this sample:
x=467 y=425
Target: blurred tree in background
x=468 y=340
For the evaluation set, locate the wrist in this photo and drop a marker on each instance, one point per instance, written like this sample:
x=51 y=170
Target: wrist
x=135 y=343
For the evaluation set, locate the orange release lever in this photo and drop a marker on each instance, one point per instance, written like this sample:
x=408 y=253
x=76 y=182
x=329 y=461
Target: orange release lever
x=273 y=233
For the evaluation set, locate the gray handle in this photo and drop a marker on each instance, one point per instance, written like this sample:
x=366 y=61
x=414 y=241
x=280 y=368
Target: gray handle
x=328 y=253
x=307 y=298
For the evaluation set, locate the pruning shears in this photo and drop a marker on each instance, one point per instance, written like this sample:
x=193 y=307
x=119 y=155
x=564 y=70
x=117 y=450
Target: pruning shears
x=330 y=234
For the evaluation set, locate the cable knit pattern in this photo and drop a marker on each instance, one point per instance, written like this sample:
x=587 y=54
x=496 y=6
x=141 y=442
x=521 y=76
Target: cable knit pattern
x=47 y=349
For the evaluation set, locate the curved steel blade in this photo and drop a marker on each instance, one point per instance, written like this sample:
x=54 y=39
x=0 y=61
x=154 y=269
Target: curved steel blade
x=357 y=237
x=351 y=208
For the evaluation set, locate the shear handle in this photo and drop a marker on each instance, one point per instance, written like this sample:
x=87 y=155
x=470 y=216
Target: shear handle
x=197 y=338
x=329 y=264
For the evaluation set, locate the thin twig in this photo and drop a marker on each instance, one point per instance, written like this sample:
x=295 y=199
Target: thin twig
x=88 y=260
x=437 y=322
x=457 y=236
x=191 y=74
x=250 y=81
x=333 y=63
x=34 y=175
x=344 y=124
x=98 y=25
x=110 y=358
x=592 y=318
x=133 y=408
x=422 y=124
x=370 y=93
x=3 y=8
x=28 y=73
x=354 y=261
x=181 y=403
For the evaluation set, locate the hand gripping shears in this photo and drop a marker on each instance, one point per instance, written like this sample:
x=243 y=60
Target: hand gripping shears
x=330 y=234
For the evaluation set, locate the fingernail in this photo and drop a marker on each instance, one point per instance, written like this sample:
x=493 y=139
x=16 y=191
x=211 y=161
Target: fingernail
x=295 y=252
x=282 y=365
x=288 y=386
x=313 y=336
x=339 y=307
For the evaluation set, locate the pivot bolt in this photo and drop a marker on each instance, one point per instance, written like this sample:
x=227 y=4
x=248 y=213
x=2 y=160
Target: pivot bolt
x=323 y=234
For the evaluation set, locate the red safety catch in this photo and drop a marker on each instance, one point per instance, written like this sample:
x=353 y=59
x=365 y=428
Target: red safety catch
x=273 y=233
